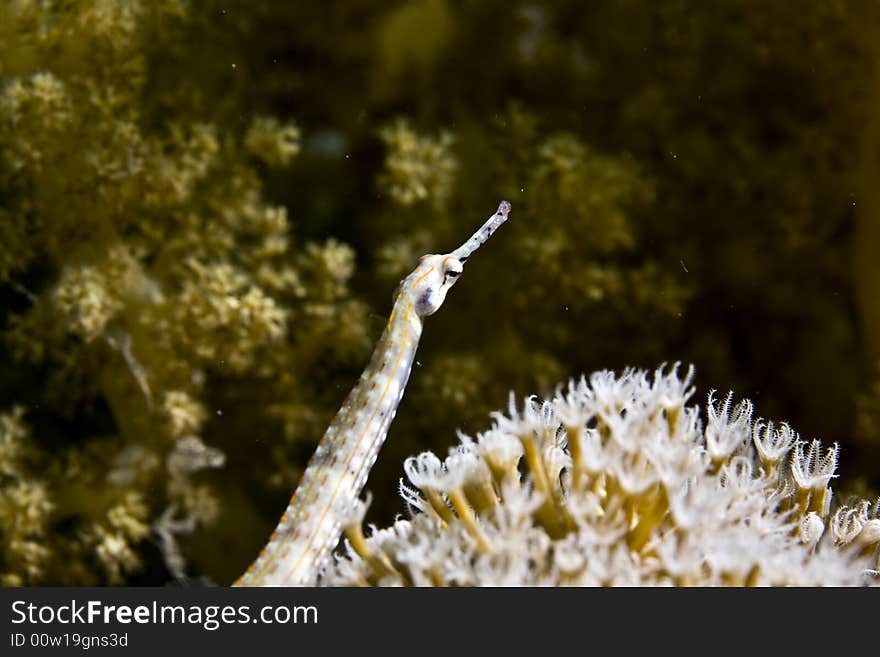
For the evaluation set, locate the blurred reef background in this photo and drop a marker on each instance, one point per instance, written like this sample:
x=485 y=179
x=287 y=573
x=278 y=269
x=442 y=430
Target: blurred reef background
x=206 y=206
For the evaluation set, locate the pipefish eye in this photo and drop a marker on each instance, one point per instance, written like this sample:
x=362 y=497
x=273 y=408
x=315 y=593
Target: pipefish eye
x=451 y=269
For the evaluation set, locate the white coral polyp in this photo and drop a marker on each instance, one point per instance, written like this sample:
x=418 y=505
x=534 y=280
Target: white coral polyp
x=810 y=468
x=773 y=444
x=726 y=430
x=663 y=497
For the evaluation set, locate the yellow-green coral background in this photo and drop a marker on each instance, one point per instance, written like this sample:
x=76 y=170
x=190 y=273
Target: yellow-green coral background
x=205 y=208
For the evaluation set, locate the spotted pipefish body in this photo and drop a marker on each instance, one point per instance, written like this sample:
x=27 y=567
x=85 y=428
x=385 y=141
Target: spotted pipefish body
x=338 y=470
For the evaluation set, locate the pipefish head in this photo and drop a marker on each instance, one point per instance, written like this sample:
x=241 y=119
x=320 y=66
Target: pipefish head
x=435 y=274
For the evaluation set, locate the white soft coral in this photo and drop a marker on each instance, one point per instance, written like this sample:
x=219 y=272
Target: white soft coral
x=624 y=484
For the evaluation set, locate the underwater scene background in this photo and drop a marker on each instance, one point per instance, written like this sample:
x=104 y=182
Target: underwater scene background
x=206 y=206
